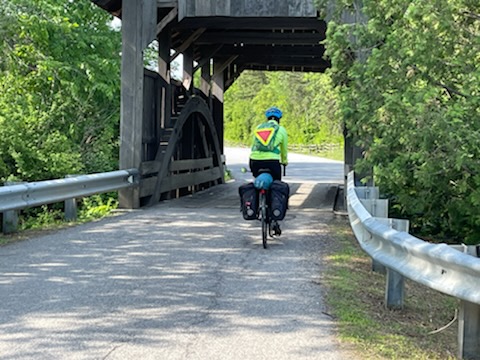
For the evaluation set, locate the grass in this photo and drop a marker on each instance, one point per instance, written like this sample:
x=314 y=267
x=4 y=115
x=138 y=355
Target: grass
x=355 y=298
x=336 y=153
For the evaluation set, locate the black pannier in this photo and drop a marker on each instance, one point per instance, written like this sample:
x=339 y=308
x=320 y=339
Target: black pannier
x=248 y=201
x=279 y=193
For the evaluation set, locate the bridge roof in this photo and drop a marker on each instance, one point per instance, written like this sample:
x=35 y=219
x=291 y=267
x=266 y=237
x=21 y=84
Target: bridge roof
x=282 y=39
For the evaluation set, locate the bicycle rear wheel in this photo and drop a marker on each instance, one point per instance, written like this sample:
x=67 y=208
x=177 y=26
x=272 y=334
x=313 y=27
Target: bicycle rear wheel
x=263 y=213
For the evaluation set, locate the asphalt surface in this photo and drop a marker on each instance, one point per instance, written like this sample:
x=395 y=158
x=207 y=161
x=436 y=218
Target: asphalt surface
x=186 y=279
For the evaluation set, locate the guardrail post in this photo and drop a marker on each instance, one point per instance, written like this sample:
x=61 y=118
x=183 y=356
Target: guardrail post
x=10 y=222
x=369 y=196
x=70 y=207
x=70 y=210
x=469 y=323
x=10 y=217
x=395 y=283
x=469 y=331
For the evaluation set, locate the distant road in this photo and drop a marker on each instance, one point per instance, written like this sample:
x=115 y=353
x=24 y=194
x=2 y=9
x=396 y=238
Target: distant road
x=186 y=279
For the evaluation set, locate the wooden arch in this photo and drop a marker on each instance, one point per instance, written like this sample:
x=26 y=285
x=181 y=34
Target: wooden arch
x=171 y=170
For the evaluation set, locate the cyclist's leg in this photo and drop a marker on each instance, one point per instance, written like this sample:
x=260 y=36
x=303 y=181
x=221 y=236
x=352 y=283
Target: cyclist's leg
x=273 y=165
x=255 y=166
x=276 y=170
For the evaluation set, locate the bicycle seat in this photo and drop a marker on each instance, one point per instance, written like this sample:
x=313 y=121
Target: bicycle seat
x=263 y=181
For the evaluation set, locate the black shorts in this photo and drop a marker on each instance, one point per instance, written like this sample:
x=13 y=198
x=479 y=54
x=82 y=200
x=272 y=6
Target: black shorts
x=273 y=165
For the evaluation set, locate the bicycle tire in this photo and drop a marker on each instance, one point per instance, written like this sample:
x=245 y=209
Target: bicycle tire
x=263 y=214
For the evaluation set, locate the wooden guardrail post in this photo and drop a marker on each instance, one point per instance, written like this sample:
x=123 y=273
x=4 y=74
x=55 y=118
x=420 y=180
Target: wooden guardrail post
x=469 y=323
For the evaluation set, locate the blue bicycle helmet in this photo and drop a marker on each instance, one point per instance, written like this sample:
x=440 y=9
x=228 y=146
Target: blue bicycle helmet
x=273 y=111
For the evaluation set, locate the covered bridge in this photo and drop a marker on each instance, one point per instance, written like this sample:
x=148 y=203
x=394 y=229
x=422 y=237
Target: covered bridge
x=173 y=132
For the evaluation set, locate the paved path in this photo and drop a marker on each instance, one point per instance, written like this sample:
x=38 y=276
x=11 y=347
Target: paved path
x=187 y=279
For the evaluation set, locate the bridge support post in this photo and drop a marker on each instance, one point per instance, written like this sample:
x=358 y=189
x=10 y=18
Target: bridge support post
x=138 y=29
x=218 y=88
x=165 y=100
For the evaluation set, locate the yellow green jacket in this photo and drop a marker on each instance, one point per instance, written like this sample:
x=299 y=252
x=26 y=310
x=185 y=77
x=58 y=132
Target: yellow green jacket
x=280 y=145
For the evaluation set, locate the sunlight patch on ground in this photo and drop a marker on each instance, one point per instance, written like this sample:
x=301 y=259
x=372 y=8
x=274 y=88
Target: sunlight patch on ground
x=301 y=194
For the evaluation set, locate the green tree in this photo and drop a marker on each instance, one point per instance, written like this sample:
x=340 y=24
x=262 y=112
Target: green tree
x=413 y=105
x=308 y=101
x=59 y=86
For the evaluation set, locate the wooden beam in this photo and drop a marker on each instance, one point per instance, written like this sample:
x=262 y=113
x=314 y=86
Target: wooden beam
x=188 y=69
x=173 y=182
x=306 y=61
x=167 y=3
x=205 y=79
x=283 y=50
x=131 y=114
x=252 y=23
x=166 y=20
x=149 y=21
x=260 y=38
x=218 y=91
x=207 y=56
x=163 y=39
x=221 y=66
x=186 y=44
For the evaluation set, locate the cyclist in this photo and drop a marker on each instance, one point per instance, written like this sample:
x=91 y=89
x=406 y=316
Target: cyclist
x=269 y=149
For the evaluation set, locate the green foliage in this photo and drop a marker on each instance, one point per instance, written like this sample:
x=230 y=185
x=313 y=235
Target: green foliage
x=41 y=218
x=413 y=104
x=59 y=102
x=308 y=101
x=97 y=206
x=52 y=216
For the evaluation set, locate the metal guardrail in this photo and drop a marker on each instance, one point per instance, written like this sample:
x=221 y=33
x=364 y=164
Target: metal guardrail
x=21 y=196
x=437 y=266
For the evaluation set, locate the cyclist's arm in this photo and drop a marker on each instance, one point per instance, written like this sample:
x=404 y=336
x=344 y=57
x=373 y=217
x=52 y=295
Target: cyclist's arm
x=284 y=147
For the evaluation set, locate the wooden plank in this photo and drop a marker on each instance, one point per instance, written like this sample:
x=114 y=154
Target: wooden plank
x=179 y=181
x=265 y=8
x=260 y=38
x=203 y=8
x=191 y=164
x=248 y=8
x=222 y=8
x=182 y=9
x=149 y=167
x=167 y=3
x=191 y=8
x=237 y=8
